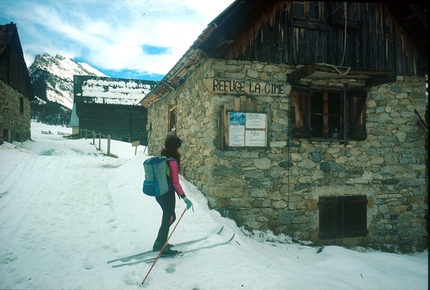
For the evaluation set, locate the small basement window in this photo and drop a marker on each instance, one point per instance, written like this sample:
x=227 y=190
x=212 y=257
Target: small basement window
x=342 y=217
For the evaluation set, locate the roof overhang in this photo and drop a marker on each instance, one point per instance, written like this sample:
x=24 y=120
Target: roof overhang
x=326 y=71
x=201 y=48
x=221 y=31
x=190 y=60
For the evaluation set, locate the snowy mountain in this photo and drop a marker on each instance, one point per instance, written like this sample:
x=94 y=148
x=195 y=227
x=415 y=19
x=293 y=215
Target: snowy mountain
x=52 y=78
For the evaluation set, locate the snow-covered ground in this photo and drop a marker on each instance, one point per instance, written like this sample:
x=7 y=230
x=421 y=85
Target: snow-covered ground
x=66 y=209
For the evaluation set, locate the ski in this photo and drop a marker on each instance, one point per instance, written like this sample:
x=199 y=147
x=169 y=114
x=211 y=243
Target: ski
x=143 y=254
x=181 y=253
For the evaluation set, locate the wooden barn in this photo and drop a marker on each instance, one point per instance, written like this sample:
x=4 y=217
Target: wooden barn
x=16 y=92
x=304 y=118
x=110 y=106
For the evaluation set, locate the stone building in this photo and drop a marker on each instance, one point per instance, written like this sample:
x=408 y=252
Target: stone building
x=16 y=92
x=302 y=121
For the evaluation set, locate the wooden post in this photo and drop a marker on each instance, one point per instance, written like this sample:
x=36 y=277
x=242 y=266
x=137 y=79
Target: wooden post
x=135 y=144
x=108 y=146
x=94 y=138
x=100 y=140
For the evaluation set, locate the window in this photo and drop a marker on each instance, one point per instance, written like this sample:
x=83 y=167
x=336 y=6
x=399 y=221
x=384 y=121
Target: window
x=307 y=9
x=342 y=217
x=326 y=114
x=21 y=105
x=329 y=114
x=172 y=119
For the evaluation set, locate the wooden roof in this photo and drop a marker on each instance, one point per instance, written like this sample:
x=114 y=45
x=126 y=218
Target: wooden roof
x=216 y=40
x=13 y=69
x=410 y=15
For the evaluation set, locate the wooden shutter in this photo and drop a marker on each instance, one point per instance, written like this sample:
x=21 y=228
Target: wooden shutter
x=355 y=216
x=342 y=217
x=357 y=115
x=300 y=101
x=330 y=217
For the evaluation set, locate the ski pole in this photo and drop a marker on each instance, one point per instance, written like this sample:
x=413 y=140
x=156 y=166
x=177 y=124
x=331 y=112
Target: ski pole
x=161 y=251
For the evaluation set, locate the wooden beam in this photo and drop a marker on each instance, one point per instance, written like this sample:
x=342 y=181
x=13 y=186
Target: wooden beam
x=300 y=73
x=381 y=79
x=420 y=14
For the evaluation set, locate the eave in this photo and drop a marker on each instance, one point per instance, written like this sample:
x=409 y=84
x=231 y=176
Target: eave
x=320 y=71
x=198 y=51
x=221 y=32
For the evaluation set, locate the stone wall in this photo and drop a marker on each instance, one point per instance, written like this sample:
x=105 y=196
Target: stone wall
x=277 y=188
x=14 y=123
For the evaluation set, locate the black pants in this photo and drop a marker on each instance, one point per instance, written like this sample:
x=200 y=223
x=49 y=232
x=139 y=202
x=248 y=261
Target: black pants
x=167 y=203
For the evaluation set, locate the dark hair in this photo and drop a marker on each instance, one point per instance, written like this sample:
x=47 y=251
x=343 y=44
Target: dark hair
x=170 y=148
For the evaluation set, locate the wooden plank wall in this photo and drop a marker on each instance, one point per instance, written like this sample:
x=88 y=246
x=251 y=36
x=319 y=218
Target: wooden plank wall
x=374 y=39
x=125 y=123
x=13 y=69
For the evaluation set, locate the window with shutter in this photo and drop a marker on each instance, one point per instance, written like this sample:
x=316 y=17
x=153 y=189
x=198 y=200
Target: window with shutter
x=300 y=101
x=21 y=105
x=326 y=114
x=172 y=119
x=330 y=218
x=357 y=114
x=355 y=216
x=307 y=9
x=342 y=217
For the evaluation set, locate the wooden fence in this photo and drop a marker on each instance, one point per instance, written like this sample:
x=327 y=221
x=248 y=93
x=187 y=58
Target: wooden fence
x=98 y=135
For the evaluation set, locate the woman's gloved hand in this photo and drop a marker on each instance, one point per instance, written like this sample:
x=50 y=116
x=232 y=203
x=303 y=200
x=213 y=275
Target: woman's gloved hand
x=187 y=202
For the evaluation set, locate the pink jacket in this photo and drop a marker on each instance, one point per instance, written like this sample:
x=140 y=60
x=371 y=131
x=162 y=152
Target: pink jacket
x=174 y=174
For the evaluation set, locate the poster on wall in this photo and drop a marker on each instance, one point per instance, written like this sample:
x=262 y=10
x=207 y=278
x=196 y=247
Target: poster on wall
x=237 y=136
x=255 y=121
x=237 y=129
x=247 y=129
x=255 y=138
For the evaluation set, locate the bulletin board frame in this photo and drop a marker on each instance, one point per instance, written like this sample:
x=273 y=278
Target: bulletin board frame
x=247 y=129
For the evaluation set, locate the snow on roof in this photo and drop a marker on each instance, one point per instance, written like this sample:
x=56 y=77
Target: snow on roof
x=103 y=90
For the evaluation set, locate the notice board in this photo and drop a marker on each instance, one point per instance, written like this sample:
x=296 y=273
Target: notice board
x=247 y=129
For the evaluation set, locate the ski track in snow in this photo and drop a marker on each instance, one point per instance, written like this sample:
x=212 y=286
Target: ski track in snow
x=73 y=210
x=66 y=209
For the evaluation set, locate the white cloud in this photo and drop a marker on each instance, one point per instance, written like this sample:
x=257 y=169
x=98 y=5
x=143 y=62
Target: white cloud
x=111 y=34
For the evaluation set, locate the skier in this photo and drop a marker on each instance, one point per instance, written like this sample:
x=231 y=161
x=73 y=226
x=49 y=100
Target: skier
x=168 y=200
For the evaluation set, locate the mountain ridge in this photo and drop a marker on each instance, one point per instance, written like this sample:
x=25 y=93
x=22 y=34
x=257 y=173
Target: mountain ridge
x=52 y=78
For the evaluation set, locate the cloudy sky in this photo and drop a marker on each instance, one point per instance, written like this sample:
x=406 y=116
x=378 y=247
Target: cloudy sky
x=141 y=39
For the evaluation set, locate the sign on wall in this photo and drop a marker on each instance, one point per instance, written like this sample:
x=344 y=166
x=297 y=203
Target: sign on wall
x=247 y=129
x=245 y=87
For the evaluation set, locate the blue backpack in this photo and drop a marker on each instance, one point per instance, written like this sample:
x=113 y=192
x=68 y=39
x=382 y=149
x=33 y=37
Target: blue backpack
x=157 y=171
